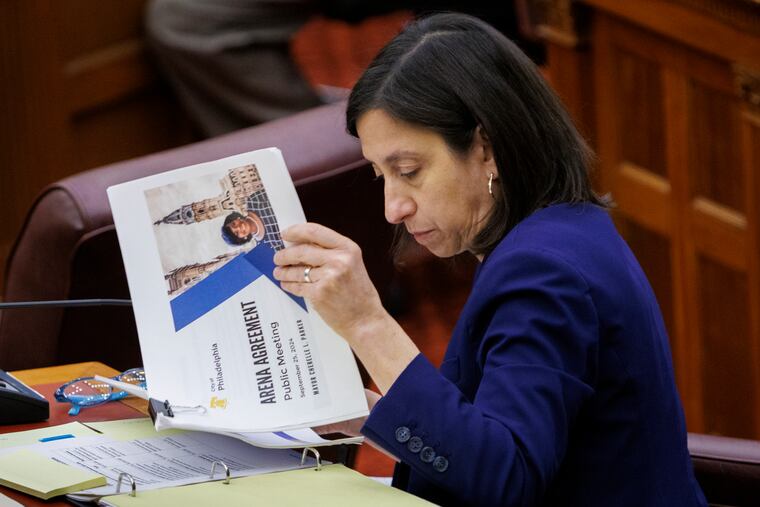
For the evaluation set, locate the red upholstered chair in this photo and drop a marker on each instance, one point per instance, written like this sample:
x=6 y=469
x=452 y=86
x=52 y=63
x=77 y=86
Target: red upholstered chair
x=68 y=247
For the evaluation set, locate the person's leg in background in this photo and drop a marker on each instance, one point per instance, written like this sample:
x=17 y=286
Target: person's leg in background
x=229 y=60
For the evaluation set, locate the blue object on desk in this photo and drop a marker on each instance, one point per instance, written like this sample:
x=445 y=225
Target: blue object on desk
x=56 y=437
x=87 y=391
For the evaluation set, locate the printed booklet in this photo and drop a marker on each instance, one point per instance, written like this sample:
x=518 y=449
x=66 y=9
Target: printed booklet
x=221 y=341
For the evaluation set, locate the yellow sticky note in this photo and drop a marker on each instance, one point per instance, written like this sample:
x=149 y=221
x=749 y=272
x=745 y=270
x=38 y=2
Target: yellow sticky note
x=42 y=477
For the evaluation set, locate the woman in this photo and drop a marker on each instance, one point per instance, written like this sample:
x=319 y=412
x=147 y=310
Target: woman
x=557 y=386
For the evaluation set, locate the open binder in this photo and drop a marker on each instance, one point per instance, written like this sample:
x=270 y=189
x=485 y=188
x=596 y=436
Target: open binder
x=331 y=485
x=230 y=350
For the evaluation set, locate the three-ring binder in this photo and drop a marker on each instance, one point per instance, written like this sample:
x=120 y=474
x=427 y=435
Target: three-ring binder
x=226 y=470
x=316 y=456
x=131 y=481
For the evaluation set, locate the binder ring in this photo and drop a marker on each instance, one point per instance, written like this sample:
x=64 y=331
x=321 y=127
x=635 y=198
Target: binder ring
x=131 y=481
x=226 y=470
x=316 y=456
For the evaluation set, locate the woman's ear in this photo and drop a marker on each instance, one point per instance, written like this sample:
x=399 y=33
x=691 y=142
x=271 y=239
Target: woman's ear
x=485 y=150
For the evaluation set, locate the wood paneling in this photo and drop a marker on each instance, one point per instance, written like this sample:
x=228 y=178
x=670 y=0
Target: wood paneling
x=715 y=156
x=78 y=91
x=143 y=120
x=676 y=90
x=653 y=253
x=683 y=177
x=88 y=26
x=689 y=25
x=641 y=119
x=571 y=79
x=726 y=367
x=750 y=142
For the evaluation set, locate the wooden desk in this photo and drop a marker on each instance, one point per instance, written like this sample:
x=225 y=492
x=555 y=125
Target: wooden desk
x=46 y=380
x=62 y=374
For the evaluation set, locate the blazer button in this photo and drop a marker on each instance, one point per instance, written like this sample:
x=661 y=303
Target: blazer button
x=440 y=464
x=403 y=434
x=415 y=444
x=427 y=454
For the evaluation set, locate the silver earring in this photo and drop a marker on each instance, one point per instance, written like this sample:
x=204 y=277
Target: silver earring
x=490 y=184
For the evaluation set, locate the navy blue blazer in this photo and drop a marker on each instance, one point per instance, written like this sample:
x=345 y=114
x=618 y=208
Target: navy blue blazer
x=557 y=387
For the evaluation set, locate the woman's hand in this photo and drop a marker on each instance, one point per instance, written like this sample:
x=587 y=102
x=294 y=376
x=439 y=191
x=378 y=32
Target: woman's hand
x=340 y=289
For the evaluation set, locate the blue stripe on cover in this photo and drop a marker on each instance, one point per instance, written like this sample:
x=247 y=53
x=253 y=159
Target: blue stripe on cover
x=224 y=283
x=284 y=435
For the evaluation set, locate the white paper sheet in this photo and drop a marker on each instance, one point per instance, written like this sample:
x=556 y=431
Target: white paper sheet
x=164 y=461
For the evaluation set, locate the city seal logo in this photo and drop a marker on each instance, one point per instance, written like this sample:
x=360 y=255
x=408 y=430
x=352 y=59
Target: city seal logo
x=217 y=403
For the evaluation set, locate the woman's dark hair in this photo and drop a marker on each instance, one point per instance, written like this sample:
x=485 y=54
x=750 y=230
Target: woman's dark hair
x=452 y=73
x=229 y=236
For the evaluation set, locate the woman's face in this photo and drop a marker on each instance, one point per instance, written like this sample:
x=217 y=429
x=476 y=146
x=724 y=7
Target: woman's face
x=441 y=197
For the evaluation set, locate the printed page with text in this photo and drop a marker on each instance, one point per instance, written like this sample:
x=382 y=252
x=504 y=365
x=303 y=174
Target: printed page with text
x=220 y=340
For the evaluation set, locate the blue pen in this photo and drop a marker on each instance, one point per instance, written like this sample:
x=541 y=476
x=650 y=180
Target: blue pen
x=56 y=437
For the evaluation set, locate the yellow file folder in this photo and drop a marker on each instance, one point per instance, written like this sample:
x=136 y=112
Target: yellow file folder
x=333 y=486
